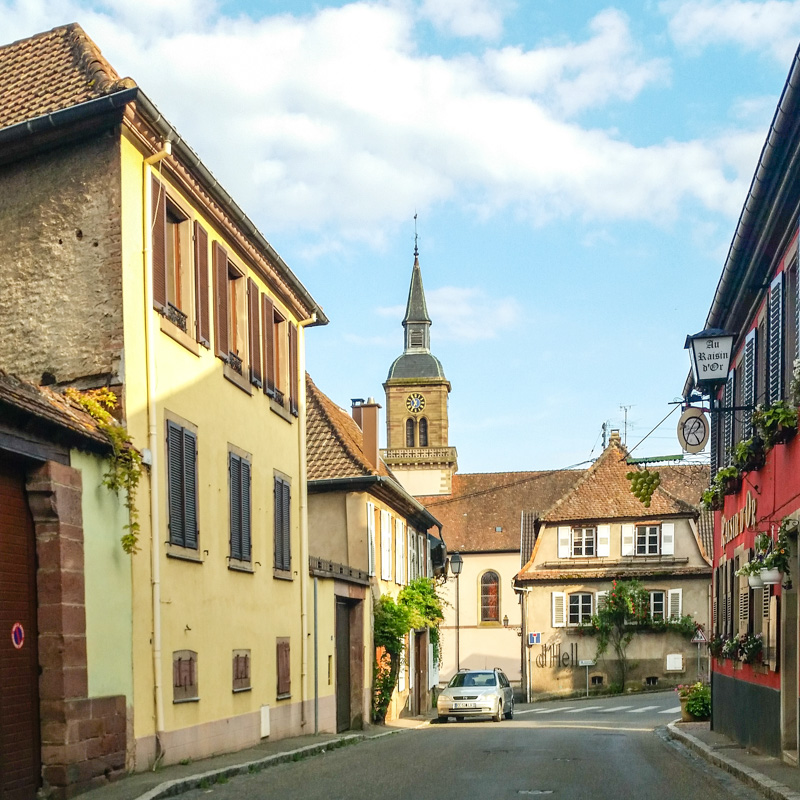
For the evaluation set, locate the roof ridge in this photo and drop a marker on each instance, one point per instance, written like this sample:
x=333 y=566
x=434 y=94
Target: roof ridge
x=90 y=59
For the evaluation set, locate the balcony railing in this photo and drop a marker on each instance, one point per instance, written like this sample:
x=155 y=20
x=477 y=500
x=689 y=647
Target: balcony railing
x=420 y=454
x=235 y=362
x=175 y=316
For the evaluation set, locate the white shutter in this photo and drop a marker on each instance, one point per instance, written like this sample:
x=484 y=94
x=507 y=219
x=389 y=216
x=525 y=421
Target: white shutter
x=399 y=553
x=420 y=557
x=371 y=537
x=600 y=599
x=564 y=532
x=386 y=546
x=401 y=675
x=411 y=565
x=603 y=540
x=428 y=561
x=668 y=539
x=559 y=609
x=411 y=653
x=628 y=540
x=675 y=602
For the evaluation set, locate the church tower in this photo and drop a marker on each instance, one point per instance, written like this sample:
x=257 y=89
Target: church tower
x=416 y=405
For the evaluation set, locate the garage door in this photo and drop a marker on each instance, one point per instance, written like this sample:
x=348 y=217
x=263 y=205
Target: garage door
x=20 y=764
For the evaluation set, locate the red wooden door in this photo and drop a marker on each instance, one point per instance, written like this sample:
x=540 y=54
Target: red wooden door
x=20 y=759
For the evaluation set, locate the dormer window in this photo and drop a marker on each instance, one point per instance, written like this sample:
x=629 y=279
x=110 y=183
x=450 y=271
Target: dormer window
x=583 y=542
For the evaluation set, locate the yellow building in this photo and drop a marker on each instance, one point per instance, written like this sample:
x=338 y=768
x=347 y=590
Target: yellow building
x=126 y=264
x=367 y=537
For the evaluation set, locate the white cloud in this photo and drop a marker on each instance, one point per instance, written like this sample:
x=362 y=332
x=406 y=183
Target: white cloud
x=473 y=18
x=334 y=121
x=573 y=77
x=772 y=26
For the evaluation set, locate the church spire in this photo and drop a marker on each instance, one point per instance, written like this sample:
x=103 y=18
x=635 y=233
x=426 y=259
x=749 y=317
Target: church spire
x=416 y=321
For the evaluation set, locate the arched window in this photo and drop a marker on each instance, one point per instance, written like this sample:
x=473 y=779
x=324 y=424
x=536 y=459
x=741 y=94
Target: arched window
x=423 y=432
x=409 y=432
x=490 y=597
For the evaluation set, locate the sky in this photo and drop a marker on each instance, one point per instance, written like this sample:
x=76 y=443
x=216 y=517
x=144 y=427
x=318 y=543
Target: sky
x=576 y=168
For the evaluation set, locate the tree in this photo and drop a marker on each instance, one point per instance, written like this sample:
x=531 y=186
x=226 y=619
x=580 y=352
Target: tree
x=626 y=606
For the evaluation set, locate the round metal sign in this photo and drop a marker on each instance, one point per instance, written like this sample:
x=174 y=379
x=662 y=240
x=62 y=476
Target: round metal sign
x=693 y=430
x=17 y=635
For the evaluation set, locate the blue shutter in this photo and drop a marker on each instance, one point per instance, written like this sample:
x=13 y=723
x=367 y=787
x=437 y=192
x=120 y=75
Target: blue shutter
x=175 y=483
x=190 y=489
x=235 y=481
x=287 y=549
x=277 y=536
x=775 y=355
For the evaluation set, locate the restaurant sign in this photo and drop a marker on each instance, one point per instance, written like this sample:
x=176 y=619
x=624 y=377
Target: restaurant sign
x=743 y=519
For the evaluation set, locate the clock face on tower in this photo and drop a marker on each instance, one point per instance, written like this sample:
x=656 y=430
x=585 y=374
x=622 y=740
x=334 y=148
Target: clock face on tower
x=415 y=403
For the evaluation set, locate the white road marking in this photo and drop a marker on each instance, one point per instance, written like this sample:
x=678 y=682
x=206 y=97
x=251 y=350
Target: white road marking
x=551 y=710
x=617 y=708
x=671 y=710
x=640 y=710
x=583 y=708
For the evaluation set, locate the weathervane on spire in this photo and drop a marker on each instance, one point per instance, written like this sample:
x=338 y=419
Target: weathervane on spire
x=416 y=237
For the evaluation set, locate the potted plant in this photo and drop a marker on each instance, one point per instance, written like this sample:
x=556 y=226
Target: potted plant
x=749 y=454
x=729 y=479
x=777 y=423
x=730 y=648
x=695 y=701
x=713 y=500
x=776 y=561
x=752 y=571
x=750 y=647
x=715 y=646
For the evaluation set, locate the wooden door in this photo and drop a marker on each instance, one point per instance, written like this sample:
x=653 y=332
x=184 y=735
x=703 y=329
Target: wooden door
x=20 y=759
x=342 y=666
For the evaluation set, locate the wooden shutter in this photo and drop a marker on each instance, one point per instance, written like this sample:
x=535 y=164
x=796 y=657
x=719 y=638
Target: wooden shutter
x=371 y=537
x=600 y=599
x=564 y=533
x=190 y=488
x=268 y=331
x=254 y=332
x=158 y=204
x=293 y=406
x=235 y=483
x=286 y=502
x=399 y=552
x=603 y=540
x=749 y=382
x=675 y=602
x=386 y=546
x=729 y=418
x=559 y=604
x=246 y=513
x=220 y=259
x=628 y=540
x=284 y=668
x=202 y=321
x=667 y=538
x=775 y=346
x=177 y=532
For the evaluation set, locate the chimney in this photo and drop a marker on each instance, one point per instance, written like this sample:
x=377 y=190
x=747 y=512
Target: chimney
x=614 y=438
x=366 y=417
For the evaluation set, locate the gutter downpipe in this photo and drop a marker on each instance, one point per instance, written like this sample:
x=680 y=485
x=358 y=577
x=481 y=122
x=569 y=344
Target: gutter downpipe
x=152 y=443
x=302 y=437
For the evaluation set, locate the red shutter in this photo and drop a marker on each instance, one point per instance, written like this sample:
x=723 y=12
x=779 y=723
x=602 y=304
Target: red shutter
x=293 y=406
x=158 y=204
x=220 y=258
x=203 y=330
x=255 y=337
x=267 y=320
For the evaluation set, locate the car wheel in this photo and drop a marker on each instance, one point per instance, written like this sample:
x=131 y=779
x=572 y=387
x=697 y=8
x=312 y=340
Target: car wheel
x=499 y=715
x=510 y=712
x=443 y=719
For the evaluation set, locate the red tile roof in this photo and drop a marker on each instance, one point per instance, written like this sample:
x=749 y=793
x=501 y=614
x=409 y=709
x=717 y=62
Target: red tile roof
x=482 y=502
x=53 y=71
x=335 y=444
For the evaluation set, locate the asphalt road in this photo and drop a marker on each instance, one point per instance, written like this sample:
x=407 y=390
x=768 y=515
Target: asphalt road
x=608 y=749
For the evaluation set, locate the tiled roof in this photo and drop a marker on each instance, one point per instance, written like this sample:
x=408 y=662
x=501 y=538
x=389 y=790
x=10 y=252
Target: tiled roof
x=616 y=572
x=335 y=444
x=482 y=502
x=53 y=71
x=46 y=407
x=604 y=492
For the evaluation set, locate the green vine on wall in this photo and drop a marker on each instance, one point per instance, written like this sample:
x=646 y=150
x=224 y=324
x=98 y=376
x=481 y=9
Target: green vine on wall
x=125 y=468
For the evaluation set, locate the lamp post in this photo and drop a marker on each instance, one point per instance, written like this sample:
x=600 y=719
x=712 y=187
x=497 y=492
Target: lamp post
x=456 y=563
x=710 y=352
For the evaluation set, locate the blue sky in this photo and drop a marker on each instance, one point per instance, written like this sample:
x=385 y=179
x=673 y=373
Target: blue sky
x=578 y=169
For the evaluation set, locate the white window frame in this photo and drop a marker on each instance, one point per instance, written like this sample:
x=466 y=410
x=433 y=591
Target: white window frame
x=664 y=606
x=582 y=615
x=579 y=536
x=647 y=551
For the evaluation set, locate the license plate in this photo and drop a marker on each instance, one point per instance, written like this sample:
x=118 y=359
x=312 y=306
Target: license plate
x=465 y=705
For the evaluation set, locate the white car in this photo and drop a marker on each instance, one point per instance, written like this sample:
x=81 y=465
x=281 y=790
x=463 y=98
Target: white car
x=476 y=692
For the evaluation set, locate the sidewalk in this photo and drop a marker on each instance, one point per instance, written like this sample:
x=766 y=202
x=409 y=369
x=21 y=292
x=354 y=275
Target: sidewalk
x=770 y=776
x=176 y=778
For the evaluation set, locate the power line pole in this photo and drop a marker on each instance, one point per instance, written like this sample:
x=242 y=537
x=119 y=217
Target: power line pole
x=624 y=410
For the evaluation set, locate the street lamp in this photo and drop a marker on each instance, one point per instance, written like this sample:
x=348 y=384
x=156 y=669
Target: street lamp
x=710 y=352
x=456 y=564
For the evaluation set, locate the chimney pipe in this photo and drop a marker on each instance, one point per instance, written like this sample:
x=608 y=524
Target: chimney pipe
x=366 y=416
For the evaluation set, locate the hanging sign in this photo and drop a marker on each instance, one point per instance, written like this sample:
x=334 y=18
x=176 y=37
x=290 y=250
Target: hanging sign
x=17 y=635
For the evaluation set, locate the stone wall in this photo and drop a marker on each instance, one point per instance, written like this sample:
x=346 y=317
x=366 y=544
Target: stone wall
x=60 y=263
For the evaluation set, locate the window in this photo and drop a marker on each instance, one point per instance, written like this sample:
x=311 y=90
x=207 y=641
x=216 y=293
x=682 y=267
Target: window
x=423 y=432
x=580 y=608
x=647 y=539
x=280 y=343
x=399 y=553
x=241 y=670
x=657 y=604
x=776 y=332
x=184 y=676
x=254 y=333
x=180 y=271
x=386 y=545
x=490 y=597
x=284 y=664
x=182 y=485
x=239 y=485
x=230 y=289
x=283 y=551
x=409 y=432
x=583 y=541
x=371 y=537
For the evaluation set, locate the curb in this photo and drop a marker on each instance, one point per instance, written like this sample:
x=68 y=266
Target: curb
x=204 y=779
x=750 y=777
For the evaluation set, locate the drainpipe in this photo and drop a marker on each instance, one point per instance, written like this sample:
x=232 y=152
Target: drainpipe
x=301 y=435
x=153 y=445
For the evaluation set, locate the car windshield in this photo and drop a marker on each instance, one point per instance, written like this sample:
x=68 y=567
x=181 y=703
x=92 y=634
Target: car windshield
x=473 y=679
